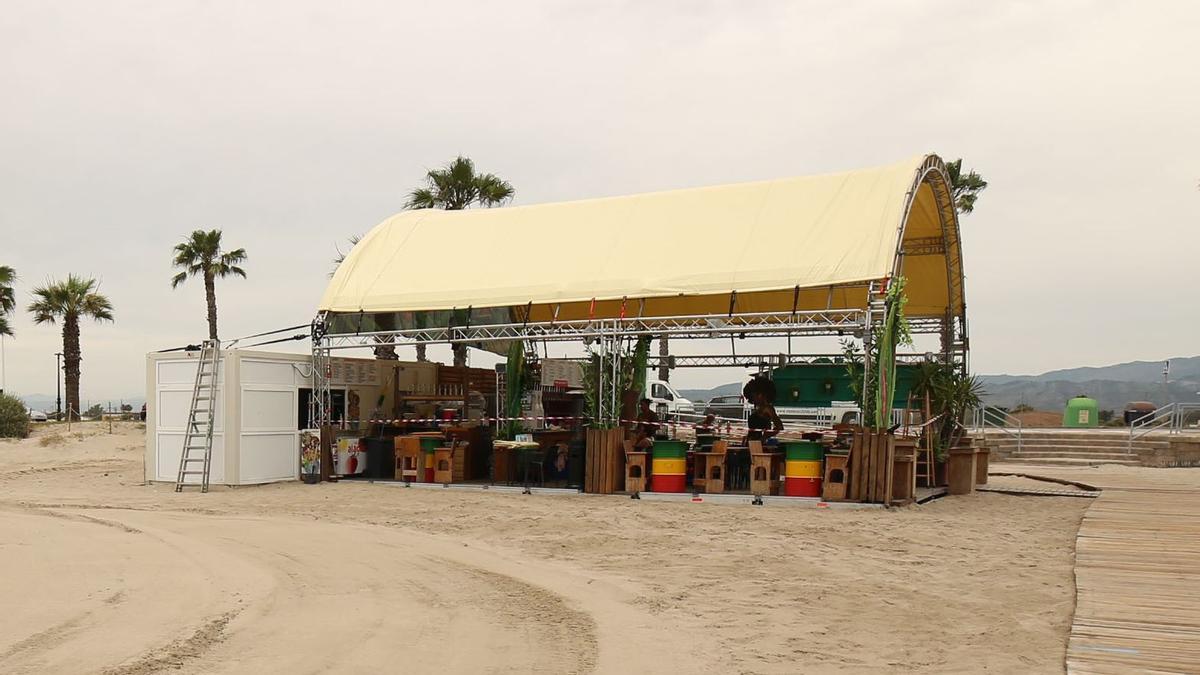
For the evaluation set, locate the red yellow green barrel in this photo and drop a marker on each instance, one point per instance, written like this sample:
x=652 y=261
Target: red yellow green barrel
x=803 y=469
x=428 y=445
x=668 y=466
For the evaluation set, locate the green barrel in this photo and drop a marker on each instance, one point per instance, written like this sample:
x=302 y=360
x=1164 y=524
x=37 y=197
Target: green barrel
x=804 y=451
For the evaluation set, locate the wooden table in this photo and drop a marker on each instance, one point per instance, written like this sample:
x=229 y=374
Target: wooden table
x=504 y=459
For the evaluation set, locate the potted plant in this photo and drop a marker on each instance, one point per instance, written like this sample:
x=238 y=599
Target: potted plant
x=310 y=457
x=949 y=395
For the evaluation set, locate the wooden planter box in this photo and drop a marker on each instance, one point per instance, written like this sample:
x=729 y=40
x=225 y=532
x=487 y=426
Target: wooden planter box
x=982 y=455
x=960 y=471
x=604 y=469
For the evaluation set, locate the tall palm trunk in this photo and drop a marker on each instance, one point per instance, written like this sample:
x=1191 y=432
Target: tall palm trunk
x=421 y=355
x=210 y=292
x=460 y=355
x=71 y=359
x=385 y=352
x=664 y=353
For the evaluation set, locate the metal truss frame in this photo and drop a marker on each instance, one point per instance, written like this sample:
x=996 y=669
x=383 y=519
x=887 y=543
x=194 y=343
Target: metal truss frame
x=767 y=360
x=764 y=324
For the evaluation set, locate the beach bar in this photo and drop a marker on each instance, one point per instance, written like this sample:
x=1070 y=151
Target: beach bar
x=846 y=254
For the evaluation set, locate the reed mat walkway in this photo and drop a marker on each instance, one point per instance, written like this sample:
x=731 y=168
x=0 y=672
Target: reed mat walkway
x=1137 y=571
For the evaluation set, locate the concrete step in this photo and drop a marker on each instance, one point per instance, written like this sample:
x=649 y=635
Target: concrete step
x=1080 y=447
x=1073 y=453
x=1122 y=437
x=1066 y=461
x=1045 y=438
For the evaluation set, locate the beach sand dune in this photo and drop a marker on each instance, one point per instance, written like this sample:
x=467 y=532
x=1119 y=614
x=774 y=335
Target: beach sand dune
x=100 y=573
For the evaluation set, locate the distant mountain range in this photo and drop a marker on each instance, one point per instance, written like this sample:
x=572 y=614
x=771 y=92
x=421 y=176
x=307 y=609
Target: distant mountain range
x=1111 y=386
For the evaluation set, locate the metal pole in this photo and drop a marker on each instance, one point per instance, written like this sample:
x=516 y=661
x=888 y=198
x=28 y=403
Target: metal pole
x=58 y=386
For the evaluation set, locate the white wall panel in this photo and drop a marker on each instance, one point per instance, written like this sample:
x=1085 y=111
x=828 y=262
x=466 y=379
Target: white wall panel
x=183 y=371
x=174 y=405
x=268 y=457
x=268 y=410
x=269 y=372
x=169 y=447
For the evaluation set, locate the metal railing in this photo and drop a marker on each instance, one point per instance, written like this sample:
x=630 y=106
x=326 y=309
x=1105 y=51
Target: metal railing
x=989 y=417
x=1171 y=418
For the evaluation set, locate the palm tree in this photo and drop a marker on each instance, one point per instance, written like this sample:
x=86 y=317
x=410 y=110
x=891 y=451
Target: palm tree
x=69 y=301
x=8 y=301
x=200 y=255
x=455 y=187
x=964 y=188
x=381 y=351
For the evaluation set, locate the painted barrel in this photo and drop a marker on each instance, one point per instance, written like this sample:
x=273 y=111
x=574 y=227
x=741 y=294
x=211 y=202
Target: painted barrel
x=428 y=445
x=803 y=469
x=668 y=466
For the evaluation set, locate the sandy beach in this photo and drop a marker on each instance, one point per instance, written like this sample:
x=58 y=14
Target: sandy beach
x=101 y=573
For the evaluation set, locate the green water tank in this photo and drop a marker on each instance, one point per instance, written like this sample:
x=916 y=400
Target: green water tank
x=1082 y=412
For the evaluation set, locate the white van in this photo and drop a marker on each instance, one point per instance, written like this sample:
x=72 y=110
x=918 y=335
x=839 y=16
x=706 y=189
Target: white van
x=666 y=401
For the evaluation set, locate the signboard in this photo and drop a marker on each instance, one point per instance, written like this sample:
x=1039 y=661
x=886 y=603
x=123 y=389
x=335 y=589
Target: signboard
x=354 y=372
x=562 y=374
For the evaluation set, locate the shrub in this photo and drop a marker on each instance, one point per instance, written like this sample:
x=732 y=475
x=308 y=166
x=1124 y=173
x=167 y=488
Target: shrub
x=14 y=419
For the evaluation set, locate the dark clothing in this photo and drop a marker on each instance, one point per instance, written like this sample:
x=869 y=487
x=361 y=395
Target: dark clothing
x=760 y=421
x=647 y=426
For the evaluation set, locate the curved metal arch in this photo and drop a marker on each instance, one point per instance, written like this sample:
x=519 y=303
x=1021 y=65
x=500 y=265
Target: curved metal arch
x=933 y=171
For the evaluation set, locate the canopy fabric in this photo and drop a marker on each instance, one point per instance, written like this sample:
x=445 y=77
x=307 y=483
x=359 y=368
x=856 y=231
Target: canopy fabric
x=676 y=253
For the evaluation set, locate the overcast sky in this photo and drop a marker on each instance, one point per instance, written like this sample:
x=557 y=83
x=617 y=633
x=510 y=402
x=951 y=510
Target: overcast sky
x=293 y=125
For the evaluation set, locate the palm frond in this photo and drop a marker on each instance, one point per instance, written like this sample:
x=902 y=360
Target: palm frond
x=421 y=198
x=70 y=298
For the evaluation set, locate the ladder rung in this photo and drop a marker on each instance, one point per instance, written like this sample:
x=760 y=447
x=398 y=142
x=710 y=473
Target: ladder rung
x=193 y=459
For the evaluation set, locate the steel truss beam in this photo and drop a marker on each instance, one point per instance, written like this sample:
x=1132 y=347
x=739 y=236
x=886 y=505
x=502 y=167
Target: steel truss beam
x=766 y=360
x=925 y=246
x=823 y=322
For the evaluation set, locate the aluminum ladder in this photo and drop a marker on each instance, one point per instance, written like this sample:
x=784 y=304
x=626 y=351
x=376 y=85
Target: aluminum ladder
x=197 y=436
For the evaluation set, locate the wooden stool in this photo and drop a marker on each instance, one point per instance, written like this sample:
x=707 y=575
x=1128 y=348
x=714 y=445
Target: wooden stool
x=443 y=465
x=635 y=471
x=834 y=487
x=408 y=458
x=763 y=480
x=710 y=469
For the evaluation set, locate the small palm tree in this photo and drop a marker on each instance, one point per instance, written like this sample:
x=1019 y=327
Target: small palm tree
x=454 y=187
x=965 y=188
x=68 y=301
x=8 y=301
x=200 y=255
